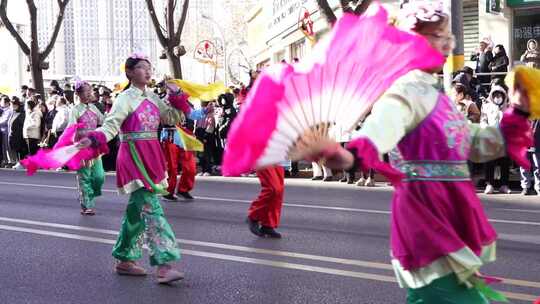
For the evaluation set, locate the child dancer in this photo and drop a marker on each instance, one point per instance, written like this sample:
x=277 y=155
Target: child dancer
x=90 y=177
x=141 y=170
x=440 y=235
x=265 y=212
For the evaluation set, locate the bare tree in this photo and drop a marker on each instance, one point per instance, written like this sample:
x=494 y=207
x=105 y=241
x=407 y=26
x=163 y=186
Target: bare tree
x=170 y=37
x=35 y=56
x=357 y=7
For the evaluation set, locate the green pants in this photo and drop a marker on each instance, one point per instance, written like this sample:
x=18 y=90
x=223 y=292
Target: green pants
x=446 y=290
x=90 y=179
x=144 y=221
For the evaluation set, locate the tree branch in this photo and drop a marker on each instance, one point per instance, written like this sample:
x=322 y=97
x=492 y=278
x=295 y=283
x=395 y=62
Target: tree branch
x=327 y=11
x=62 y=8
x=9 y=26
x=157 y=27
x=170 y=21
x=360 y=9
x=182 y=22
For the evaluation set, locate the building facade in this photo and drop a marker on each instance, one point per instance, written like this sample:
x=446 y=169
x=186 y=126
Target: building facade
x=273 y=33
x=96 y=37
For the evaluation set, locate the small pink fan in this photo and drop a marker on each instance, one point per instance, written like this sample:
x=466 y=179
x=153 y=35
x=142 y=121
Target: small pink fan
x=64 y=153
x=290 y=107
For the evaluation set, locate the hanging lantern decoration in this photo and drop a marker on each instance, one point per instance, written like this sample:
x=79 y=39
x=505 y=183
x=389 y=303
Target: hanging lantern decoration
x=305 y=24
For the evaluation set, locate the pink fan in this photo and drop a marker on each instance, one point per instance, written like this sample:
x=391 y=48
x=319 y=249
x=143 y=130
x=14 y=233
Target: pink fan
x=332 y=89
x=64 y=153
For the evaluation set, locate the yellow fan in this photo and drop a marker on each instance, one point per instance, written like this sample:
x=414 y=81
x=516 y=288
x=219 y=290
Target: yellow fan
x=529 y=79
x=6 y=90
x=200 y=91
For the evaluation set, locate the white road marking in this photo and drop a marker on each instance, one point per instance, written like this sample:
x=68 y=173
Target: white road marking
x=286 y=265
x=367 y=264
x=520 y=210
x=371 y=211
x=360 y=263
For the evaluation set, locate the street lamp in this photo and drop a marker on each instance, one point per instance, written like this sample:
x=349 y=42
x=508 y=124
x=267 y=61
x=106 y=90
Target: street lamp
x=204 y=16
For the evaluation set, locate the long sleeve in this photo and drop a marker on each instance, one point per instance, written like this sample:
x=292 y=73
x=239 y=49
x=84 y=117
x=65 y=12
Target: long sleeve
x=34 y=120
x=391 y=108
x=73 y=116
x=60 y=120
x=197 y=114
x=487 y=143
x=399 y=111
x=119 y=112
x=169 y=115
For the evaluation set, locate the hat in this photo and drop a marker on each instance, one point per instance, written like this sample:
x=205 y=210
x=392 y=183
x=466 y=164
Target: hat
x=529 y=78
x=487 y=40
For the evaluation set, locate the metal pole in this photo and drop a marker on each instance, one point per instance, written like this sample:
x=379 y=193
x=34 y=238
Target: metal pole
x=220 y=30
x=457 y=59
x=131 y=26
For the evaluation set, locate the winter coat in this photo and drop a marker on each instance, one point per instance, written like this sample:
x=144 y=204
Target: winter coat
x=5 y=114
x=32 y=124
x=482 y=61
x=500 y=63
x=15 y=139
x=492 y=113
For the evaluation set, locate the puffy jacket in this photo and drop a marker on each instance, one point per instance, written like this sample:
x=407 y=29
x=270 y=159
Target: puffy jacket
x=32 y=124
x=491 y=112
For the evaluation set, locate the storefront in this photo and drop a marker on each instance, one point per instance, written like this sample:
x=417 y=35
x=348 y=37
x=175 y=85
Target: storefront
x=525 y=25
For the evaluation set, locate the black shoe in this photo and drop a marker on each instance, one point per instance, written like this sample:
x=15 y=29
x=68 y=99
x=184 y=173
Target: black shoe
x=328 y=179
x=253 y=226
x=315 y=178
x=350 y=181
x=527 y=191
x=269 y=232
x=343 y=180
x=185 y=195
x=170 y=197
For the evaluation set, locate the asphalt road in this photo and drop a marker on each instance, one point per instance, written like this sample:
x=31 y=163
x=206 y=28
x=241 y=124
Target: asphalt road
x=334 y=250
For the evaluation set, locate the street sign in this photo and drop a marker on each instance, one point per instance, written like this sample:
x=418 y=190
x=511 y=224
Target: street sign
x=514 y=3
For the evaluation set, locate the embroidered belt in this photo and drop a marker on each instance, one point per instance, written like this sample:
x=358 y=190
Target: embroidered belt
x=434 y=170
x=134 y=136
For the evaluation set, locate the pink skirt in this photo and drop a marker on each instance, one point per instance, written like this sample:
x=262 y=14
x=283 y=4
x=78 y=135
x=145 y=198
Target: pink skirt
x=431 y=219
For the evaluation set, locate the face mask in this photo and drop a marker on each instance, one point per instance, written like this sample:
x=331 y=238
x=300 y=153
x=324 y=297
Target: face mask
x=498 y=100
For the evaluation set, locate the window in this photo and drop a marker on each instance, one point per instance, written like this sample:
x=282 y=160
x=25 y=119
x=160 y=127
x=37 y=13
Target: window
x=298 y=49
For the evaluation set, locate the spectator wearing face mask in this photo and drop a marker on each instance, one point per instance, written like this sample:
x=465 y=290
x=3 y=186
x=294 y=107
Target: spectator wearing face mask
x=491 y=115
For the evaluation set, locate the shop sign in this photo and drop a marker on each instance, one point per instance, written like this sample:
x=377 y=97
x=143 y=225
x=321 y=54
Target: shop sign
x=514 y=3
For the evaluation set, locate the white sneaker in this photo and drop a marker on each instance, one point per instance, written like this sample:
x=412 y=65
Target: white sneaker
x=370 y=182
x=504 y=189
x=489 y=189
x=200 y=174
x=206 y=174
x=361 y=182
x=18 y=166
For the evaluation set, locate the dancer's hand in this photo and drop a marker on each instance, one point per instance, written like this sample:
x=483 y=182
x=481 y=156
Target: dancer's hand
x=84 y=143
x=519 y=98
x=330 y=153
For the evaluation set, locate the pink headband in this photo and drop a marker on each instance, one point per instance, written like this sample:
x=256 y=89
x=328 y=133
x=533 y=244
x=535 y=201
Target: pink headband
x=79 y=83
x=427 y=11
x=138 y=55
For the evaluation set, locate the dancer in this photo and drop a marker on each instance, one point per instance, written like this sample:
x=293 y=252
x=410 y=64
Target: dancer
x=141 y=170
x=90 y=177
x=179 y=146
x=265 y=212
x=440 y=236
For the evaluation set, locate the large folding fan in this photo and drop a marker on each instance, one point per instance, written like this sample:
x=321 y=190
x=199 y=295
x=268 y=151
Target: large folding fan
x=332 y=89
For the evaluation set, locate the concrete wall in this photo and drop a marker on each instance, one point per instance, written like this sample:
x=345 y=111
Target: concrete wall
x=497 y=26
